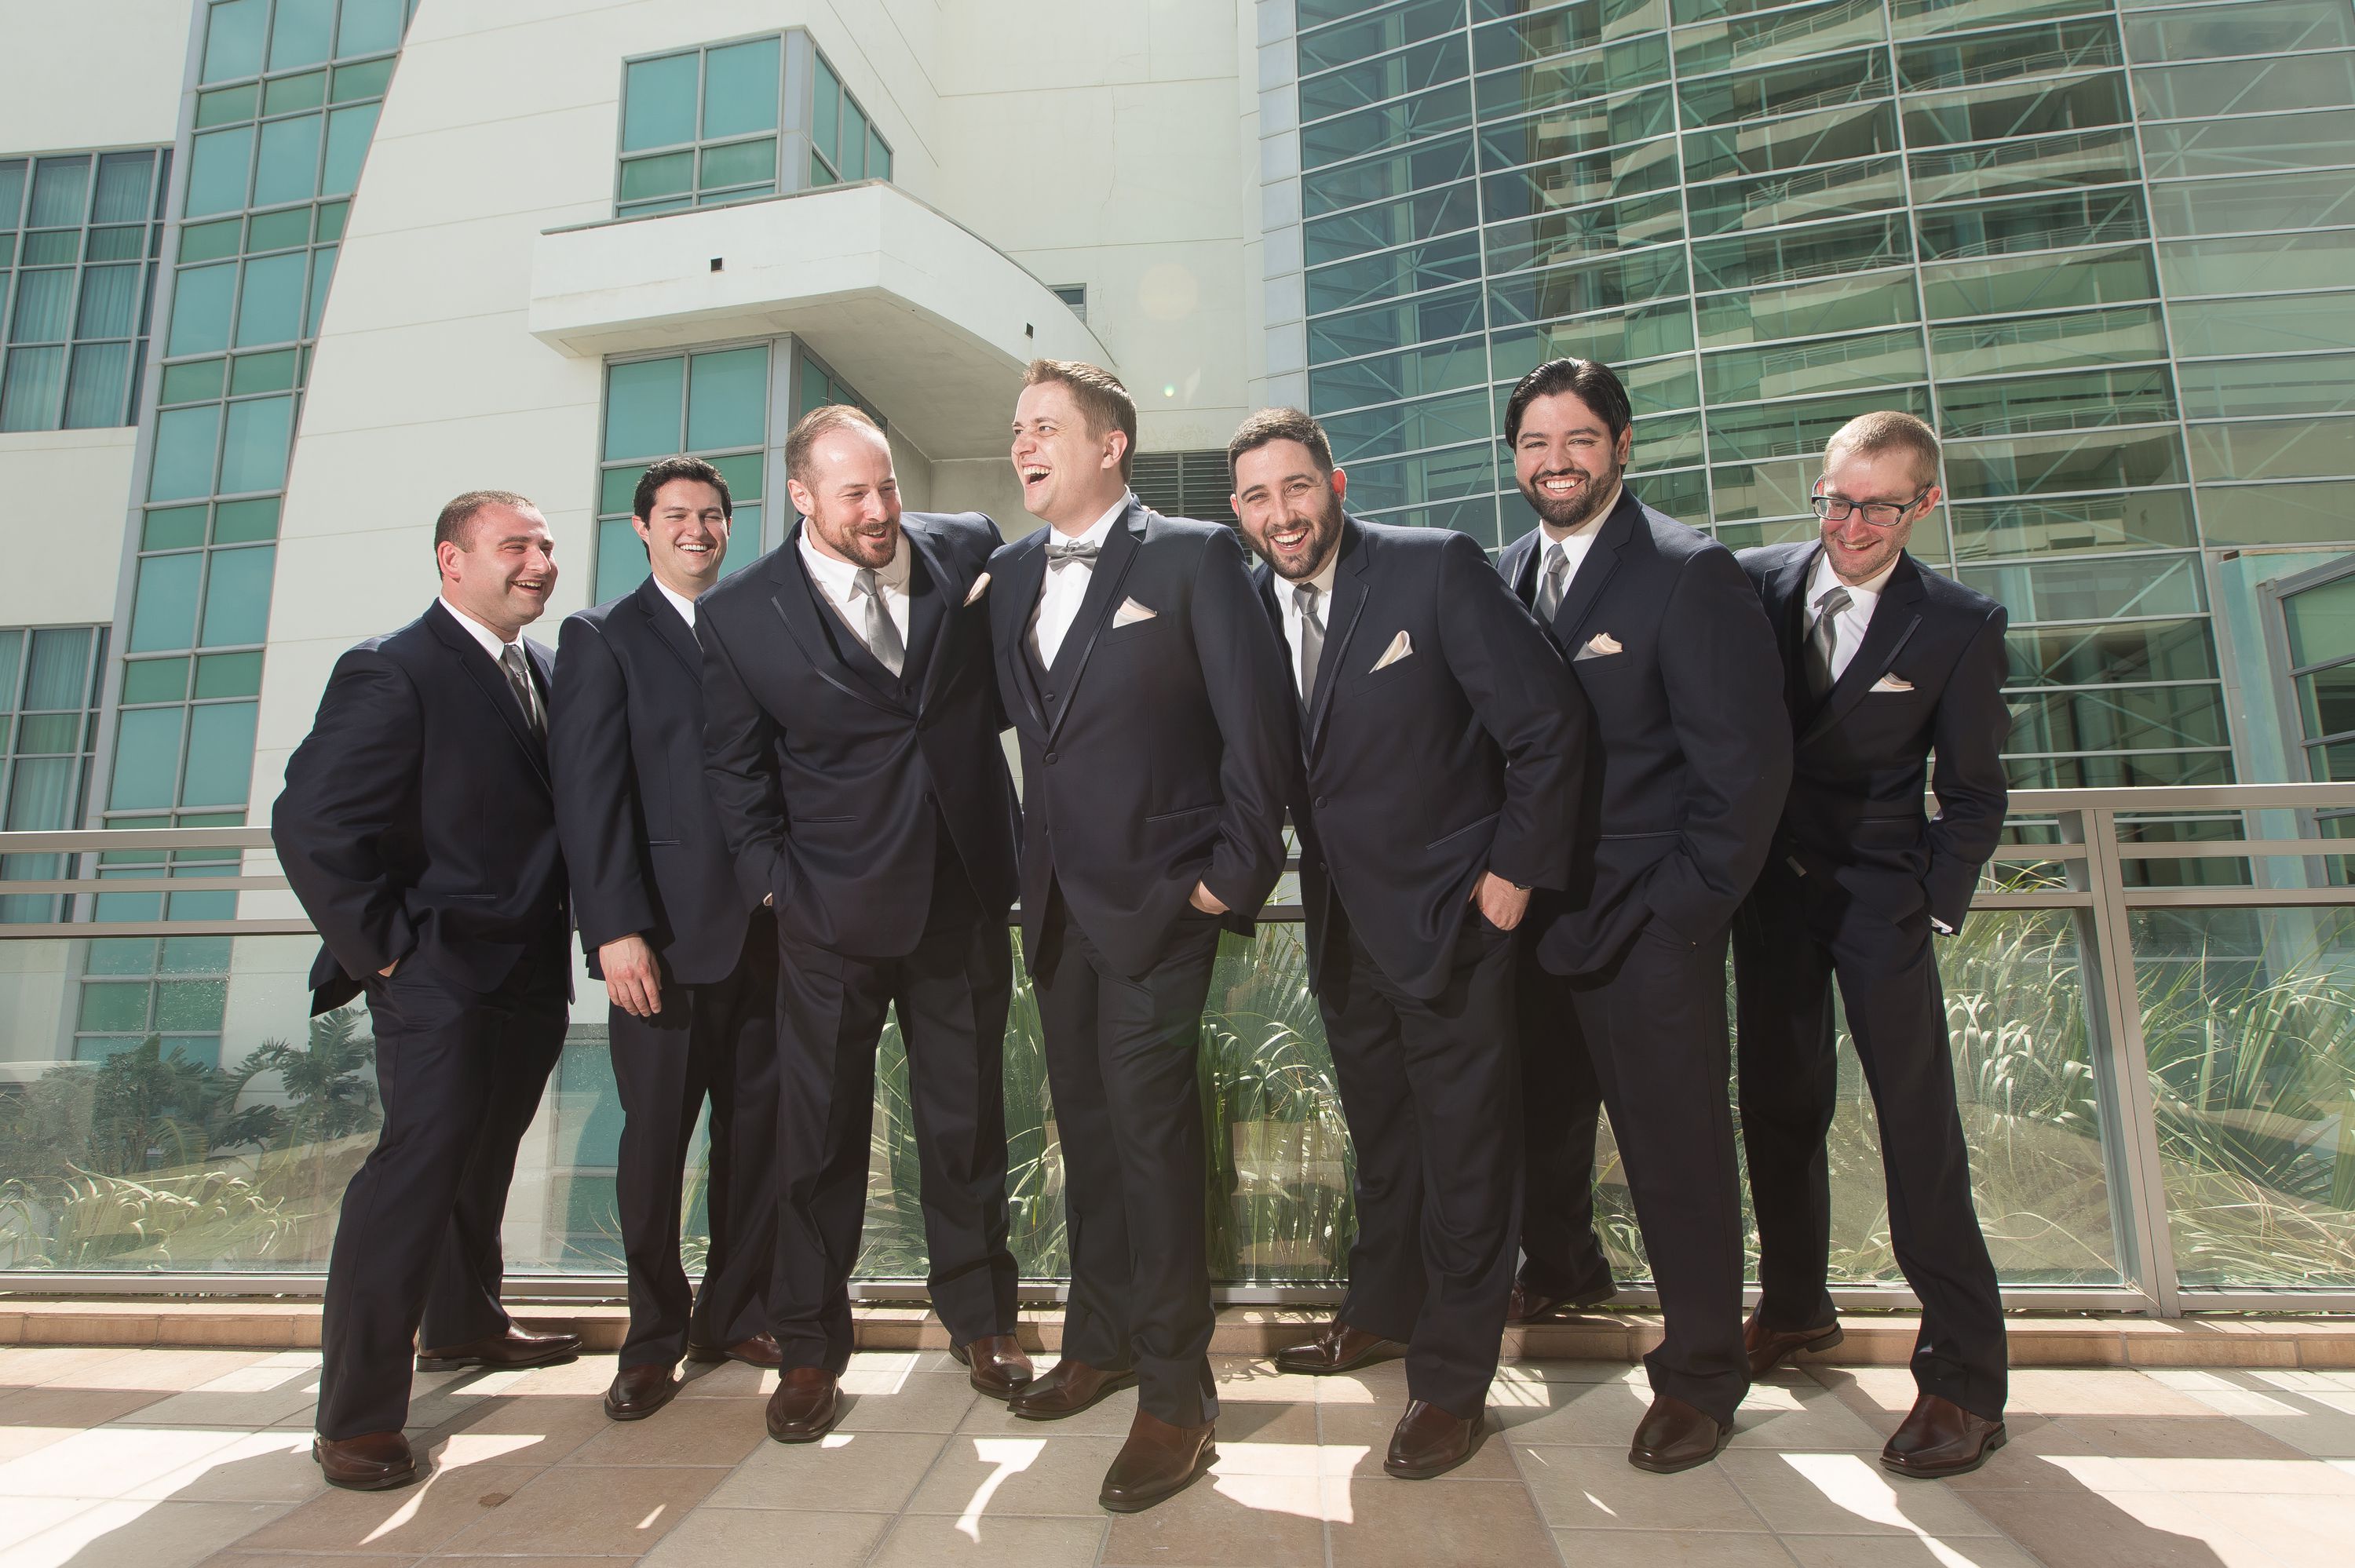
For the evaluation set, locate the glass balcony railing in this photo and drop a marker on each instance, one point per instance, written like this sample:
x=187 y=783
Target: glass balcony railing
x=2152 y=1009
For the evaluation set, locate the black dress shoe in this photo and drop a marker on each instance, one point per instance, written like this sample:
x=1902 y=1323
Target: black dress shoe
x=803 y=1408
x=996 y=1365
x=1157 y=1461
x=1338 y=1347
x=1673 y=1436
x=1429 y=1442
x=638 y=1392
x=372 y=1462
x=1068 y=1388
x=1529 y=1304
x=505 y=1353
x=1940 y=1438
x=760 y=1350
x=1767 y=1346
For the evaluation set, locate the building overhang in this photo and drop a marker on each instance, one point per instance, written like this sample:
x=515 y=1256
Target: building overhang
x=927 y=319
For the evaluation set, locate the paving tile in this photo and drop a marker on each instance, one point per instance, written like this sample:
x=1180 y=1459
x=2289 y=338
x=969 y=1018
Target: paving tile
x=713 y=1535
x=2323 y=1433
x=111 y=1461
x=583 y=1375
x=294 y=1400
x=237 y=1557
x=705 y=1431
x=1846 y=1494
x=59 y=1404
x=987 y=1417
x=1253 y=1382
x=857 y=1472
x=16 y=1442
x=1266 y=1521
x=27 y=1516
x=728 y=1380
x=413 y=1519
x=921 y=1540
x=1369 y=1428
x=1604 y=1413
x=1597 y=1488
x=2097 y=1391
x=1382 y=1383
x=1381 y=1522
x=258 y=1467
x=1247 y=1422
x=550 y=1429
x=1893 y=1552
x=1691 y=1549
x=1028 y=1474
x=23 y=1366
x=619 y=1512
x=1785 y=1416
x=173 y=1372
x=2144 y=1530
x=926 y=1401
x=150 y=1535
x=2272 y=1477
x=1879 y=1396
x=1559 y=1370
x=2202 y=1436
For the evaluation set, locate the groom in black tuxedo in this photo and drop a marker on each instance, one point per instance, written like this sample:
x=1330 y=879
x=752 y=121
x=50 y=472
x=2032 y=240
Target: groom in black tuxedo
x=1156 y=733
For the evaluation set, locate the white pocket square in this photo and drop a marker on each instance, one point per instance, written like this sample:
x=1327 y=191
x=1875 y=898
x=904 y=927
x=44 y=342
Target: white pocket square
x=979 y=584
x=1597 y=646
x=1892 y=683
x=1401 y=647
x=1130 y=612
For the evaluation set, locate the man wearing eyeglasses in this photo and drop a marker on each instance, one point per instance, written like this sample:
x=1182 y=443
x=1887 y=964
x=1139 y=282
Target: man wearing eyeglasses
x=1885 y=663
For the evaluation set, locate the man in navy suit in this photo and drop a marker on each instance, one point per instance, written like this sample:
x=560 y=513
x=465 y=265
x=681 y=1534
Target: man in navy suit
x=417 y=828
x=1886 y=663
x=851 y=743
x=1440 y=748
x=688 y=959
x=1691 y=759
x=1157 y=735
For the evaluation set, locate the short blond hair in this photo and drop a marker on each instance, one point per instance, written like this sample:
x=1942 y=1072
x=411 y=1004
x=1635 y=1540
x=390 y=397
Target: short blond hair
x=1888 y=430
x=1103 y=402
x=819 y=422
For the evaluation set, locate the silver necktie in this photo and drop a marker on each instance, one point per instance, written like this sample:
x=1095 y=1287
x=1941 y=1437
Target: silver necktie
x=1823 y=641
x=1556 y=584
x=527 y=695
x=882 y=632
x=1312 y=639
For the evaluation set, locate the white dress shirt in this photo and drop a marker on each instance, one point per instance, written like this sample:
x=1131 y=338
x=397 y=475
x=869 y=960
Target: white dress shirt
x=1573 y=546
x=1849 y=627
x=678 y=601
x=493 y=644
x=837 y=584
x=1059 y=596
x=1323 y=583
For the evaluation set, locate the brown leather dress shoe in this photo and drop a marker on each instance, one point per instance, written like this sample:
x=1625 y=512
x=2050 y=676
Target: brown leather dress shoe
x=1338 y=1347
x=371 y=1462
x=1530 y=1305
x=1767 y=1346
x=1157 y=1461
x=1939 y=1438
x=1675 y=1437
x=1067 y=1388
x=997 y=1364
x=804 y=1405
x=507 y=1352
x=638 y=1392
x=760 y=1350
x=1429 y=1442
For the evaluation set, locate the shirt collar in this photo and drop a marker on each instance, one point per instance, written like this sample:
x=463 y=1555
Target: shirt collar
x=490 y=642
x=1099 y=530
x=1323 y=581
x=840 y=577
x=1592 y=526
x=1862 y=596
x=678 y=601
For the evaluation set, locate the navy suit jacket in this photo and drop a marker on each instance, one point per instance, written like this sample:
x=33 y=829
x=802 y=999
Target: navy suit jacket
x=832 y=777
x=1859 y=766
x=417 y=823
x=1463 y=756
x=1691 y=753
x=1157 y=753
x=641 y=839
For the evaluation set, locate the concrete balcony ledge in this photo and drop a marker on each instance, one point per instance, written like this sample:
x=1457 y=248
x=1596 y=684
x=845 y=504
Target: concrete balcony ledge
x=918 y=312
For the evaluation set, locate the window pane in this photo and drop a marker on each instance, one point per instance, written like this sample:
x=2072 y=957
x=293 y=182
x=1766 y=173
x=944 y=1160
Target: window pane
x=744 y=476
x=2252 y=144
x=227 y=105
x=233 y=38
x=2033 y=465
x=2164 y=650
x=241 y=522
x=825 y=112
x=155 y=681
x=1824 y=364
x=666 y=174
x=31 y=394
x=200 y=309
x=1613 y=337
x=43 y=306
x=728 y=400
x=819 y=174
x=621 y=559
x=659 y=102
x=743 y=538
x=1409 y=373
x=112 y=1009
x=164 y=610
x=2119 y=718
x=2301 y=513
x=2314 y=384
x=2321 y=622
x=288 y=168
x=98 y=392
x=2104 y=589
x=123 y=188
x=348 y=131
x=229 y=675
x=740 y=164
x=878 y=157
x=367 y=81
x=2265 y=327
x=185 y=443
x=370 y=26
x=271 y=308
x=2040 y=223
x=253 y=446
x=1749 y=43
x=2243 y=86
x=1792 y=428
x=643 y=402
x=2259 y=202
x=2086 y=337
x=2038 y=283
x=740 y=89
x=2286 y=449
x=2258 y=264
x=12 y=192
x=109 y=301
x=236 y=596
x=323 y=272
x=2067 y=402
x=2160 y=519
x=218 y=169
x=220 y=754
x=300 y=33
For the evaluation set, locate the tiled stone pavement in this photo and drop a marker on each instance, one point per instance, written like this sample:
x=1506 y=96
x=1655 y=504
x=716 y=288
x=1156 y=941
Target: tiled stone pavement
x=161 y=1459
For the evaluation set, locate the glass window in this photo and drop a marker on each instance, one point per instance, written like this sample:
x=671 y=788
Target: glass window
x=220 y=754
x=2028 y=167
x=287 y=168
x=2258 y=264
x=302 y=32
x=2252 y=145
x=1416 y=69
x=658 y=99
x=699 y=127
x=271 y=308
x=1614 y=338
x=236 y=596
x=218 y=169
x=1796 y=428
x=712 y=405
x=2200 y=32
x=2039 y=465
x=2307 y=512
x=254 y=444
x=2038 y=283
x=2274 y=449
x=1747 y=43
x=2036 y=107
x=1808 y=310
x=370 y=27
x=1827 y=136
x=1783 y=88
x=2041 y=223
x=2033 y=343
x=147 y=759
x=726 y=399
x=2310 y=384
x=1821 y=365
x=2112 y=587
x=2259 y=202
x=1747 y=260
x=2090 y=655
x=2038 y=51
x=233 y=38
x=164 y=607
x=740 y=88
x=1372 y=34
x=185 y=439
x=1390 y=126
x=643 y=400
x=1409 y=373
x=349 y=130
x=2321 y=625
x=2245 y=87
x=2074 y=401
x=2119 y=718
x=2147 y=519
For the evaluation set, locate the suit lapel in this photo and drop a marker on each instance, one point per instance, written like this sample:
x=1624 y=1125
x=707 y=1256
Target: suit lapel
x=1602 y=560
x=1893 y=621
x=670 y=628
x=1119 y=554
x=1350 y=590
x=930 y=584
x=492 y=682
x=1786 y=609
x=795 y=599
x=1012 y=603
x=1514 y=565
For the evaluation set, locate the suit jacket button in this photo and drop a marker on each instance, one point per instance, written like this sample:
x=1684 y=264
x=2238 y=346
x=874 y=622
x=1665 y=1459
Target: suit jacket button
x=1050 y=759
x=1321 y=802
x=1050 y=696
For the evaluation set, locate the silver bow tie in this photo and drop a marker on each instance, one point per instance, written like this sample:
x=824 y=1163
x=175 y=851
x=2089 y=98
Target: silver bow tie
x=1077 y=550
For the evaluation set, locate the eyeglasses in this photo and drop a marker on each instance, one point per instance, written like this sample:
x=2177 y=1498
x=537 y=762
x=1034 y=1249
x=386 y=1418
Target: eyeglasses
x=1876 y=513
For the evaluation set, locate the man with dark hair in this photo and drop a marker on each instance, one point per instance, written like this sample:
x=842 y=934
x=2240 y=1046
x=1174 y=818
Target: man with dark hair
x=851 y=743
x=1886 y=663
x=1156 y=738
x=1441 y=767
x=688 y=959
x=417 y=828
x=1691 y=759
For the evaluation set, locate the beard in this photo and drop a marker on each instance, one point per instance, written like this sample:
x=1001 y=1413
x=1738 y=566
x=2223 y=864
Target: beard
x=1574 y=510
x=849 y=542
x=1324 y=533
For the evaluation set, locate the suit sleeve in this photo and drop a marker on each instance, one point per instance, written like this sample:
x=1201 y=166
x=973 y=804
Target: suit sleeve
x=355 y=777
x=1725 y=683
x=1968 y=774
x=739 y=742
x=1251 y=698
x=596 y=789
x=1527 y=701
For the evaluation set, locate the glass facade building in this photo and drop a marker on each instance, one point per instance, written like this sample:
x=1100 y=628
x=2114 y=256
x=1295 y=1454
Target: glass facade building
x=2106 y=248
